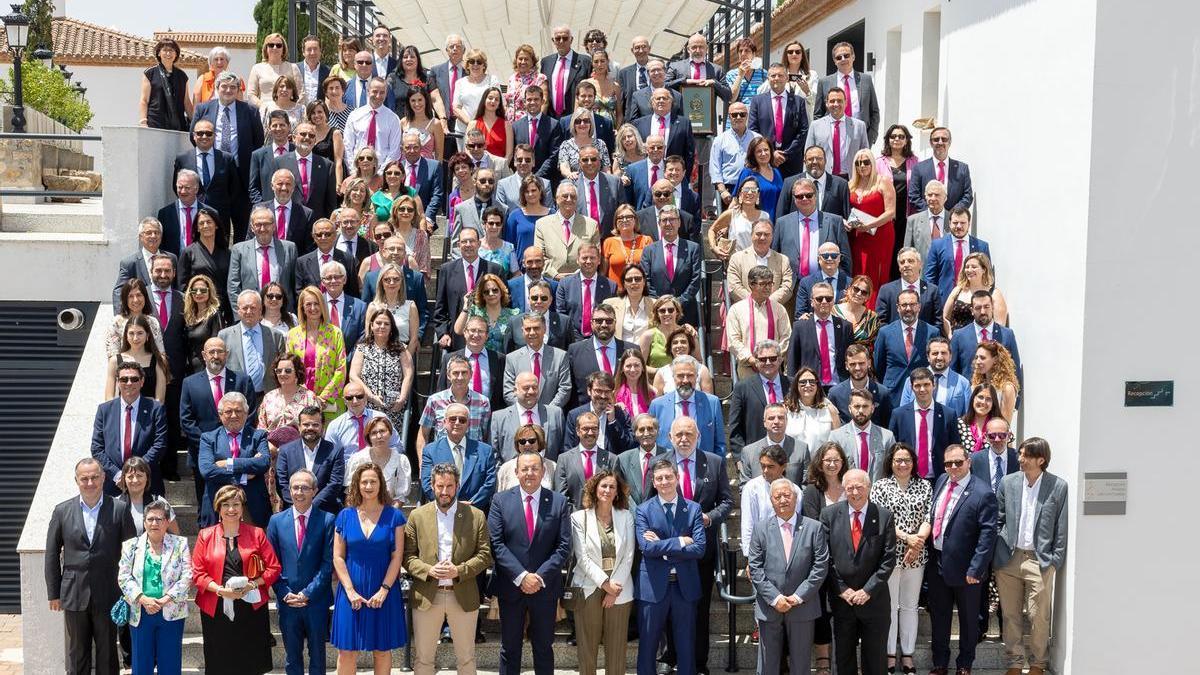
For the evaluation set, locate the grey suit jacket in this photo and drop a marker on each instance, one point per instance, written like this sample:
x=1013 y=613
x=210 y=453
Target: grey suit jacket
x=508 y=194
x=918 y=233
x=868 y=106
x=272 y=345
x=243 y=266
x=505 y=423
x=879 y=441
x=629 y=465
x=775 y=574
x=797 y=466
x=1050 y=521
x=853 y=137
x=133 y=266
x=609 y=195
x=568 y=472
x=556 y=375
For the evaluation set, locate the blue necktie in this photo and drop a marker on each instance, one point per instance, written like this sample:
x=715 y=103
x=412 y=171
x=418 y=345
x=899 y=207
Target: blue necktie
x=998 y=475
x=670 y=508
x=362 y=93
x=205 y=175
x=254 y=362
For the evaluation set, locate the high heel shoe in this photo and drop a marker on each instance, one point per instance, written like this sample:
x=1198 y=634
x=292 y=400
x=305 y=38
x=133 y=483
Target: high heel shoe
x=891 y=669
x=907 y=670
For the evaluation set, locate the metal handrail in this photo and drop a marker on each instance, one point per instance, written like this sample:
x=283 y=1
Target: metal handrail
x=726 y=579
x=49 y=194
x=9 y=135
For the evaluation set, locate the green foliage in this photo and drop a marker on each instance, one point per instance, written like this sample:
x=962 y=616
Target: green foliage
x=46 y=91
x=40 y=13
x=271 y=17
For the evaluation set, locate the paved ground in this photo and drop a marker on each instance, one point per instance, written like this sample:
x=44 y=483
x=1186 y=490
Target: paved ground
x=10 y=644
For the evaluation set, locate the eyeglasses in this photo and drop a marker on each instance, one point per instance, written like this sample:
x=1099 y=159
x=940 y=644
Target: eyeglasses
x=301 y=488
x=862 y=162
x=284 y=371
x=831 y=462
x=736 y=115
x=823 y=298
x=274 y=45
x=363 y=63
x=485 y=181
x=333 y=277
x=898 y=137
x=475 y=62
x=859 y=290
x=804 y=196
x=274 y=296
x=457 y=419
x=203 y=134
x=830 y=256
x=526 y=441
x=322 y=235
x=901 y=460
x=663 y=193
x=129 y=380
x=953 y=463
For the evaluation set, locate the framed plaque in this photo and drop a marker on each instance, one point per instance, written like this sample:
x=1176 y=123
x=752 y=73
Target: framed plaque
x=700 y=108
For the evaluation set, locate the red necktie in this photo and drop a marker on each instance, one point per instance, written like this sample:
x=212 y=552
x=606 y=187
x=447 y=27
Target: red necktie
x=528 y=417
x=923 y=444
x=941 y=512
x=653 y=175
x=646 y=468
x=837 y=147
x=235 y=448
x=588 y=469
x=805 y=248
x=537 y=366
x=127 y=447
x=334 y=316
x=937 y=230
x=304 y=180
x=942 y=172
x=218 y=391
x=281 y=222
x=695 y=70
x=778 y=120
x=529 y=516
x=908 y=342
x=671 y=261
x=593 y=203
x=264 y=277
x=856 y=530
x=566 y=231
x=300 y=533
x=533 y=131
x=771 y=397
x=476 y=375
x=162 y=309
x=687 y=480
x=560 y=83
x=279 y=150
x=849 y=98
x=470 y=277
x=325 y=257
x=823 y=345
x=864 y=452
x=362 y=435
x=371 y=129
x=604 y=362
x=412 y=176
x=586 y=320
x=684 y=406
x=983 y=335
x=187 y=225
x=958 y=258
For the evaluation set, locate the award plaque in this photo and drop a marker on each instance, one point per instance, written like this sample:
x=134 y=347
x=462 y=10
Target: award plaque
x=700 y=108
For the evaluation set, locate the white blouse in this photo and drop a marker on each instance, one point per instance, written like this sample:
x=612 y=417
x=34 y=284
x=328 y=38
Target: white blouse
x=811 y=425
x=396 y=473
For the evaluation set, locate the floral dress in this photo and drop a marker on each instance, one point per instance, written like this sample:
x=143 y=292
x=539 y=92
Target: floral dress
x=514 y=97
x=505 y=257
x=498 y=331
x=324 y=356
x=383 y=373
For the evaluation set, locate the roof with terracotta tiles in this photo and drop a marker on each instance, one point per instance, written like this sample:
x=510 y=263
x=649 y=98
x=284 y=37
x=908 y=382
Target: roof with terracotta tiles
x=80 y=42
x=202 y=38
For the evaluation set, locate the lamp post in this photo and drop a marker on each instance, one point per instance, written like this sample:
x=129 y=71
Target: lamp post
x=16 y=30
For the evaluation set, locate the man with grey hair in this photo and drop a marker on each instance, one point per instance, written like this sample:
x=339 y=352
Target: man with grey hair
x=201 y=395
x=564 y=70
x=475 y=145
x=828 y=271
x=445 y=77
x=345 y=311
x=235 y=453
x=639 y=101
x=293 y=220
x=252 y=346
x=636 y=464
x=137 y=264
x=767 y=386
x=561 y=235
x=546 y=363
x=925 y=227
x=757 y=318
x=423 y=174
x=802 y=232
x=313 y=174
x=262 y=260
x=178 y=217
x=308 y=265
x=239 y=132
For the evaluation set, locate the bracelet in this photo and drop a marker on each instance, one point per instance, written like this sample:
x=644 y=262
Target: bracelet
x=387 y=587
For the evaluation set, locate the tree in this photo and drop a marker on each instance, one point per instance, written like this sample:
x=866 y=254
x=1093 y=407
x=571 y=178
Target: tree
x=41 y=15
x=271 y=17
x=45 y=90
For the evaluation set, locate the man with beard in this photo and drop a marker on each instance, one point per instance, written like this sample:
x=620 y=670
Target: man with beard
x=311 y=452
x=200 y=398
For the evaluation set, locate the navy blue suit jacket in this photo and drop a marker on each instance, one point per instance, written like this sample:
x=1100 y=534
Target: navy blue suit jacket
x=637 y=192
x=353 y=322
x=892 y=367
x=981 y=461
x=516 y=289
x=958 y=190
x=309 y=569
x=839 y=395
x=350 y=96
x=250 y=133
x=603 y=131
x=568 y=299
x=931 y=302
x=939 y=264
x=545 y=555
x=618 y=433
x=804 y=289
x=198 y=413
x=545 y=151
x=149 y=440
x=225 y=191
x=430 y=186
x=329 y=467
x=964 y=342
x=795 y=126
x=253 y=461
x=903 y=426
x=968 y=533
x=478 y=482
x=168 y=216
x=686 y=282
x=680 y=140
x=659 y=557
x=582 y=356
x=707 y=413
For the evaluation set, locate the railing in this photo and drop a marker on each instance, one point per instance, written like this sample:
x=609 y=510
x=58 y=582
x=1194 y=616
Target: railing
x=726 y=578
x=51 y=194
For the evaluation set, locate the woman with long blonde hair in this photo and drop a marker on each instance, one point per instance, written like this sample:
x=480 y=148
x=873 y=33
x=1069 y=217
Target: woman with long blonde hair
x=873 y=234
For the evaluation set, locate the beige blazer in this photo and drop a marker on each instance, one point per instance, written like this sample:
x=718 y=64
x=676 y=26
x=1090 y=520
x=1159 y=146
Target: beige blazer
x=561 y=255
x=620 y=305
x=737 y=328
x=740 y=264
x=472 y=554
x=585 y=542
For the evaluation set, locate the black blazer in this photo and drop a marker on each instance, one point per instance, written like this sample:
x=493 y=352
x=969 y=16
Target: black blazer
x=639 y=103
x=568 y=300
x=131 y=266
x=869 y=567
x=627 y=77
x=262 y=165
x=225 y=190
x=746 y=411
x=495 y=375
x=839 y=396
x=308 y=272
x=168 y=216
x=250 y=132
x=804 y=349
x=581 y=69
x=931 y=302
x=680 y=140
x=80 y=574
x=903 y=426
x=300 y=221
x=583 y=357
x=448 y=301
x=174 y=335
x=648 y=223
x=322 y=192
x=836 y=199
x=618 y=433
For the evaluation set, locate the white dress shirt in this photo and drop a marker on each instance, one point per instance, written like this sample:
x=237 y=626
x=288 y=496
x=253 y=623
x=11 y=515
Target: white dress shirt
x=756 y=505
x=185 y=227
x=832 y=333
x=610 y=350
x=387 y=134
x=929 y=427
x=224 y=111
x=1029 y=495
x=814 y=238
x=937 y=505
x=91 y=514
x=445 y=536
x=312 y=80
x=310 y=454
x=212 y=386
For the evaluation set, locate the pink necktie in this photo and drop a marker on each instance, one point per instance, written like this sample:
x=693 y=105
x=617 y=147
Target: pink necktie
x=529 y=516
x=937 y=230
x=849 y=98
x=264 y=277
x=771 y=397
x=371 y=129
x=219 y=391
x=281 y=222
x=958 y=258
x=923 y=444
x=533 y=132
x=300 y=534
x=778 y=120
x=593 y=203
x=662 y=127
x=588 y=469
x=864 y=452
x=476 y=375
x=823 y=345
x=586 y=320
x=127 y=444
x=304 y=178
x=334 y=316
x=412 y=176
x=941 y=512
x=235 y=448
x=983 y=335
x=805 y=248
x=560 y=83
x=279 y=150
x=528 y=417
x=453 y=79
x=162 y=309
x=687 y=480
x=566 y=231
x=187 y=225
x=695 y=71
x=362 y=435
x=837 y=147
x=671 y=261
x=653 y=175
x=470 y=277
x=684 y=406
x=646 y=460
x=537 y=366
x=942 y=172
x=607 y=365
x=908 y=342
x=785 y=531
x=770 y=321
x=326 y=257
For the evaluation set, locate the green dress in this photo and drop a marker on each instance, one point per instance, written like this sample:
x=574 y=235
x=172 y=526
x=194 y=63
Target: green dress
x=498 y=331
x=659 y=356
x=382 y=202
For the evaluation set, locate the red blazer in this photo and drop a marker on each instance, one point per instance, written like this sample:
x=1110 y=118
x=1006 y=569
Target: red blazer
x=208 y=562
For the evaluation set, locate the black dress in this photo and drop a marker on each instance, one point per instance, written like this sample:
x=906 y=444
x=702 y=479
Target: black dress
x=324 y=147
x=196 y=260
x=241 y=646
x=900 y=182
x=150 y=379
x=197 y=335
x=165 y=109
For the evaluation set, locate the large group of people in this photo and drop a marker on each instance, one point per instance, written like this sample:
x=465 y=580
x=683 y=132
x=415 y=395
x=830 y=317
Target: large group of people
x=572 y=456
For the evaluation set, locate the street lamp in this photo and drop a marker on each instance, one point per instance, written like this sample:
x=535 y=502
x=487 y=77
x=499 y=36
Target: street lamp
x=16 y=30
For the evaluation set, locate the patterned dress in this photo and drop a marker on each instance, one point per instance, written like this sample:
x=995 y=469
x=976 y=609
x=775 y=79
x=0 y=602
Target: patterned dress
x=865 y=330
x=324 y=356
x=910 y=507
x=383 y=373
x=498 y=330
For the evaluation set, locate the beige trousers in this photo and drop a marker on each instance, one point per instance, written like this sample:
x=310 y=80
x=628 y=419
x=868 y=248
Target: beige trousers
x=595 y=625
x=427 y=629
x=1025 y=586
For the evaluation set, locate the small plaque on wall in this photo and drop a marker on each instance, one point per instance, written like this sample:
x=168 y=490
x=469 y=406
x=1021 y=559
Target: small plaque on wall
x=1104 y=494
x=1150 y=394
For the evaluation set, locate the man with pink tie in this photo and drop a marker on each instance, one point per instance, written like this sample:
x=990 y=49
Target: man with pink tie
x=781 y=115
x=858 y=87
x=598 y=352
x=576 y=467
x=564 y=70
x=839 y=134
x=864 y=442
x=955 y=175
x=256 y=262
x=820 y=339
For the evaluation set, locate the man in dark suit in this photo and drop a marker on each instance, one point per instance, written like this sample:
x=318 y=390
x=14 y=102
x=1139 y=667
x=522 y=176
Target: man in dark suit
x=819 y=228
x=599 y=192
x=663 y=194
x=900 y=346
x=669 y=529
x=167 y=305
x=293 y=220
x=220 y=181
x=672 y=265
x=558 y=330
x=752 y=394
x=477 y=459
x=490 y=363
x=795 y=466
x=953 y=174
x=358 y=87
x=862 y=555
x=639 y=101
x=544 y=137
x=586 y=283
x=781 y=117
x=239 y=133
x=83 y=548
x=600 y=352
x=682 y=194
x=859 y=88
x=963 y=513
x=308 y=265
x=946 y=255
x=697 y=70
x=323 y=458
x=453 y=284
x=200 y=399
x=644 y=176
x=615 y=431
x=445 y=76
x=991 y=467
x=909 y=262
x=858 y=368
x=358 y=249
x=130 y=425
x=602 y=127
x=924 y=425
x=312 y=71
x=833 y=192
x=675 y=129
x=137 y=264
x=312 y=173
x=530 y=529
x=384 y=62
x=788 y=561
x=636 y=464
x=564 y=70
x=520 y=288
x=178 y=217
x=820 y=340
x=302 y=538
x=577 y=466
x=423 y=175
x=262 y=160
x=966 y=340
x=634 y=77
x=232 y=454
x=246 y=270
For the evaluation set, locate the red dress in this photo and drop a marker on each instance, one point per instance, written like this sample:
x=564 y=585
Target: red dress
x=872 y=253
x=497 y=142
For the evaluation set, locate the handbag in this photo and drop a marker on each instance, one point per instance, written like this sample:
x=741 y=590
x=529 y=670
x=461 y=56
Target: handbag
x=119 y=612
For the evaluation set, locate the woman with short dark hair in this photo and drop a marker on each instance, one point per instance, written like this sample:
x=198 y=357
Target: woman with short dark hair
x=165 y=103
x=155 y=575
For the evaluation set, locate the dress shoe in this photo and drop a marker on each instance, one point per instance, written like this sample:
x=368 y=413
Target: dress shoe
x=1034 y=670
x=938 y=670
x=1013 y=671
x=665 y=669
x=963 y=671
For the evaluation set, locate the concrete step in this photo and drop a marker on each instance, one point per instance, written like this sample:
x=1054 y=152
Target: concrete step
x=86 y=217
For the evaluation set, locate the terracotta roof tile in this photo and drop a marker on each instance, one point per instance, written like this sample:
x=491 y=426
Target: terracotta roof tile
x=80 y=42
x=197 y=37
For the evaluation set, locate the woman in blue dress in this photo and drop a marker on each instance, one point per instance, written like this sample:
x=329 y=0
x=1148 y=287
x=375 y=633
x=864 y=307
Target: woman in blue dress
x=368 y=545
x=759 y=155
x=522 y=221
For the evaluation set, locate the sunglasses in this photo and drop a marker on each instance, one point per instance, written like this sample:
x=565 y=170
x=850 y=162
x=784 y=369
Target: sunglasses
x=862 y=162
x=805 y=195
x=274 y=296
x=395 y=174
x=768 y=359
x=475 y=146
x=274 y=45
x=363 y=63
x=403 y=209
x=795 y=51
x=322 y=235
x=953 y=463
x=823 y=298
x=526 y=441
x=898 y=137
x=736 y=115
x=859 y=290
x=842 y=57
x=580 y=123
x=355 y=397
x=128 y=380
x=998 y=437
x=284 y=371
x=199 y=291
x=830 y=256
x=475 y=62
x=203 y=134
x=663 y=193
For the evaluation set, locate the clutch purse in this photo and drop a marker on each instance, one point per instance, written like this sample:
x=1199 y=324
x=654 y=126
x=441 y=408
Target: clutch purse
x=119 y=612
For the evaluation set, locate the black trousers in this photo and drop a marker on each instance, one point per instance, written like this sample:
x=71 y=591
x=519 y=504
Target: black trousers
x=859 y=632
x=169 y=461
x=88 y=629
x=943 y=600
x=708 y=573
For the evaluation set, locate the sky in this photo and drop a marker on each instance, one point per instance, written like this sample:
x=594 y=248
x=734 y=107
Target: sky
x=143 y=17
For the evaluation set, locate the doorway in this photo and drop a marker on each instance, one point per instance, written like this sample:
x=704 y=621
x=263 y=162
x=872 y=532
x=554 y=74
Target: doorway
x=856 y=36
